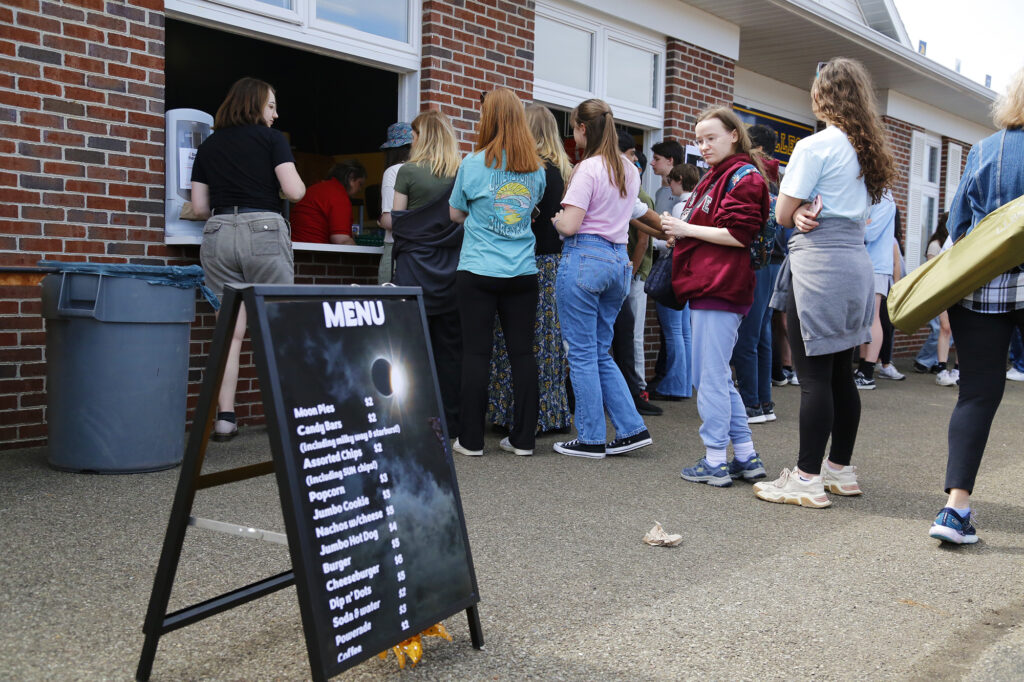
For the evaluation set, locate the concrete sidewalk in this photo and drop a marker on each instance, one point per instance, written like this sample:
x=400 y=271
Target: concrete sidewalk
x=756 y=591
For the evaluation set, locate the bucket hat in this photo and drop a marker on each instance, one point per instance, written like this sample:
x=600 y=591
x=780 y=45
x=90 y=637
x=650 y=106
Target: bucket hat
x=398 y=134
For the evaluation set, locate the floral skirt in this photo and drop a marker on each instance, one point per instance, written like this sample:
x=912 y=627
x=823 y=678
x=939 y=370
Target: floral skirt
x=552 y=409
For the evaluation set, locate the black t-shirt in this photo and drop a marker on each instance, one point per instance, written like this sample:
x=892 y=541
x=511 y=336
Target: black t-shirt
x=548 y=241
x=238 y=165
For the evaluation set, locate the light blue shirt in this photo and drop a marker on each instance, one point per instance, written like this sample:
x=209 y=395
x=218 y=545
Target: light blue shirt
x=498 y=240
x=826 y=163
x=878 y=233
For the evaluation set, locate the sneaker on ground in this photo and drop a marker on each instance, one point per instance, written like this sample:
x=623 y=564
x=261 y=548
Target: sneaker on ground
x=921 y=369
x=841 y=482
x=863 y=383
x=621 y=446
x=951 y=527
x=755 y=415
x=703 y=472
x=793 y=381
x=945 y=378
x=890 y=372
x=224 y=430
x=507 y=446
x=463 y=450
x=574 y=448
x=955 y=373
x=1014 y=374
x=782 y=381
x=655 y=395
x=751 y=470
x=768 y=410
x=643 y=405
x=789 y=489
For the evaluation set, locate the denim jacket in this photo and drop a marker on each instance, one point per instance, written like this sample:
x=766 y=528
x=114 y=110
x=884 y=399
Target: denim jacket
x=993 y=176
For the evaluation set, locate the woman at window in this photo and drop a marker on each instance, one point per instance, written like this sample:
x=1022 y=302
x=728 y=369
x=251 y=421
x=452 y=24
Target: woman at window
x=427 y=244
x=594 y=277
x=496 y=190
x=711 y=271
x=984 y=321
x=237 y=178
x=826 y=285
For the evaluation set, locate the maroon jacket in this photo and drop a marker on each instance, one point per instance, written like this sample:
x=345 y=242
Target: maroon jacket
x=710 y=276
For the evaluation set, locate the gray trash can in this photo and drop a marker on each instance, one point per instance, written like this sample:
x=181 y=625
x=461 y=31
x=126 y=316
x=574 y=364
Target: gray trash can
x=117 y=349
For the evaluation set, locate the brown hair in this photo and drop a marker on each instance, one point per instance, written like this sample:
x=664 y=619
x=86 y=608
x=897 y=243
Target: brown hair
x=503 y=129
x=733 y=123
x=1008 y=109
x=686 y=174
x=244 y=104
x=435 y=146
x=842 y=95
x=549 y=143
x=599 y=126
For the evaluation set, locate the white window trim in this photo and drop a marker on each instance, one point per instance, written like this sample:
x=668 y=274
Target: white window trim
x=602 y=31
x=917 y=190
x=954 y=160
x=300 y=28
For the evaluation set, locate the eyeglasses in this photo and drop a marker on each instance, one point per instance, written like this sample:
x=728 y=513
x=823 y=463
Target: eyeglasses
x=817 y=70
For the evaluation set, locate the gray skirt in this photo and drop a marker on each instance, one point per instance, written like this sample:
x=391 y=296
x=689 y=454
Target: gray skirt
x=831 y=278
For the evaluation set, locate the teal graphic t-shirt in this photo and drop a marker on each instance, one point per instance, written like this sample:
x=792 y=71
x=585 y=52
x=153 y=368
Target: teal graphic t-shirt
x=498 y=241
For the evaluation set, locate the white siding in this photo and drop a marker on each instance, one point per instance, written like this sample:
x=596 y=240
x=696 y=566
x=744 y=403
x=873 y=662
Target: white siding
x=898 y=105
x=776 y=97
x=848 y=9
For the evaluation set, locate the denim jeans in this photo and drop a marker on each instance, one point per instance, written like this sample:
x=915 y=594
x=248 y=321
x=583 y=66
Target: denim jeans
x=752 y=356
x=1017 y=351
x=593 y=279
x=718 y=402
x=928 y=355
x=638 y=304
x=678 y=379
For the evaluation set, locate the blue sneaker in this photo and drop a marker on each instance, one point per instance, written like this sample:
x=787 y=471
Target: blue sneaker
x=951 y=527
x=703 y=472
x=751 y=470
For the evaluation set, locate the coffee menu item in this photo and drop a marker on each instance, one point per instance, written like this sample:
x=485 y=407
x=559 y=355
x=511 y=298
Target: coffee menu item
x=374 y=519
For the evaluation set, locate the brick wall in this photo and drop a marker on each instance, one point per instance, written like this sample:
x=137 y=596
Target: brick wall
x=695 y=79
x=81 y=178
x=469 y=47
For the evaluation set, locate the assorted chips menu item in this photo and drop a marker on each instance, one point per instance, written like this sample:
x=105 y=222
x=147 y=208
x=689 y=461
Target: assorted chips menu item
x=371 y=486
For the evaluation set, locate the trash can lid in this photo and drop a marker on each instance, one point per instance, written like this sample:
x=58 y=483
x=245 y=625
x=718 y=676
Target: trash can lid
x=181 y=276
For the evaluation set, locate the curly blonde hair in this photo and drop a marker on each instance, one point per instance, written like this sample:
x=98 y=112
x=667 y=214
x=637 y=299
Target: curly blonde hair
x=842 y=95
x=1008 y=109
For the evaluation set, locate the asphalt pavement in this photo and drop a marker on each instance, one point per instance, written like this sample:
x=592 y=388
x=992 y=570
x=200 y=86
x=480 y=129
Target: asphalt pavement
x=569 y=592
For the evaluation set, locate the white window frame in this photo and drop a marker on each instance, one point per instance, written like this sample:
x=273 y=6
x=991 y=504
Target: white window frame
x=603 y=30
x=300 y=28
x=954 y=160
x=919 y=189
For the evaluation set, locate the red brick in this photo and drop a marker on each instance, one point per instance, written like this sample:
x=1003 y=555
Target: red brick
x=118 y=40
x=58 y=168
x=84 y=32
x=122 y=71
x=83 y=95
x=63 y=138
x=16 y=132
x=106 y=113
x=64 y=44
x=33 y=118
x=75 y=246
x=20 y=226
x=105 y=203
x=84 y=64
x=41 y=213
x=63 y=199
x=61 y=230
x=19 y=66
x=133 y=191
x=65 y=76
x=84 y=126
x=106 y=173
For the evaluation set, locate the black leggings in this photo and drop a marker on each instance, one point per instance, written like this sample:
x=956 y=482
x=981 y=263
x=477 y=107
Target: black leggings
x=885 y=352
x=982 y=341
x=515 y=301
x=829 y=404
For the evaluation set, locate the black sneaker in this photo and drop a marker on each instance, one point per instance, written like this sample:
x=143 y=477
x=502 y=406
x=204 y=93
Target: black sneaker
x=643 y=406
x=921 y=369
x=621 y=446
x=768 y=410
x=755 y=415
x=655 y=395
x=574 y=448
x=862 y=382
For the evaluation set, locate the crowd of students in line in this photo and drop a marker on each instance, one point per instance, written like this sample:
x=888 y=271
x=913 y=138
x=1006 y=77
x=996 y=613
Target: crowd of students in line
x=533 y=270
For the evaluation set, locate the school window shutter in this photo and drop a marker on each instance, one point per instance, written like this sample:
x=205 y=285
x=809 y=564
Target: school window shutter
x=914 y=256
x=954 y=155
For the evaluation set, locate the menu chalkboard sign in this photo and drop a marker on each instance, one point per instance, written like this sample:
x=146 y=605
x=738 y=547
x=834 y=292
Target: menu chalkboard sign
x=374 y=523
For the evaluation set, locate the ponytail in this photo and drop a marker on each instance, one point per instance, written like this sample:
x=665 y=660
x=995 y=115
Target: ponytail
x=602 y=139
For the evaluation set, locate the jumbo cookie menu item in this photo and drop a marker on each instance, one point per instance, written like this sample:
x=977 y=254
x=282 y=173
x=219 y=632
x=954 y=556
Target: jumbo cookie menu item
x=383 y=545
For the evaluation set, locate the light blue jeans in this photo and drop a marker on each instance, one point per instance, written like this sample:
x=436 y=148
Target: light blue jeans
x=928 y=355
x=593 y=280
x=718 y=402
x=678 y=381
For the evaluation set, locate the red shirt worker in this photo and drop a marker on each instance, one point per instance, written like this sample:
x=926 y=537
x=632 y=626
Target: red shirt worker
x=324 y=216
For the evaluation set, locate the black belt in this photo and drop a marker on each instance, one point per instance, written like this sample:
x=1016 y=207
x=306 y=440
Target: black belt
x=223 y=210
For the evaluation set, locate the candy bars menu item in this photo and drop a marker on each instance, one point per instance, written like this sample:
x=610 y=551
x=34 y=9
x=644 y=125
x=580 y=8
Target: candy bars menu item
x=371 y=494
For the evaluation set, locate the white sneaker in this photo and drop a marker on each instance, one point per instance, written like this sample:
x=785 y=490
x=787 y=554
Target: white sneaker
x=945 y=378
x=462 y=450
x=889 y=372
x=507 y=446
x=841 y=482
x=1013 y=374
x=789 y=489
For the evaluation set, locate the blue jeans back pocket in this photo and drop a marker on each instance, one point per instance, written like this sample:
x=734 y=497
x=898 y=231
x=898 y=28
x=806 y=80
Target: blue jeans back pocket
x=593 y=273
